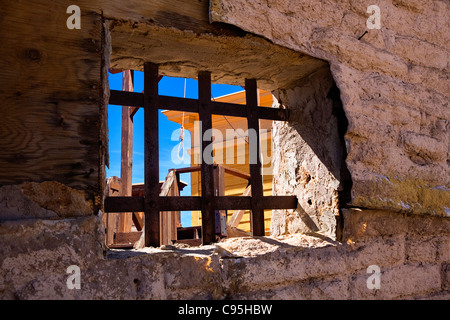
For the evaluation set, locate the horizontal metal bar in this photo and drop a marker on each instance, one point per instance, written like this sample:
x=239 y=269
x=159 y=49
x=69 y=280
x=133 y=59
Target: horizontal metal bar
x=276 y=114
x=180 y=203
x=175 y=203
x=228 y=109
x=178 y=104
x=239 y=110
x=232 y=171
x=279 y=202
x=232 y=203
x=124 y=204
x=126 y=98
x=136 y=99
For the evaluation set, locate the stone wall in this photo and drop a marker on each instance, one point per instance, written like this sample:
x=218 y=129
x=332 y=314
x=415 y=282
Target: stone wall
x=394 y=85
x=394 y=89
x=309 y=156
x=414 y=263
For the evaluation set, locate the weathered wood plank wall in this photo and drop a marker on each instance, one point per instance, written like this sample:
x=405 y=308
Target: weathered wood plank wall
x=50 y=93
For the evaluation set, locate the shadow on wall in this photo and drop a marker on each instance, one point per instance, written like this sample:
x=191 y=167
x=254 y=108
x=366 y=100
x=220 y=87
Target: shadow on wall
x=310 y=157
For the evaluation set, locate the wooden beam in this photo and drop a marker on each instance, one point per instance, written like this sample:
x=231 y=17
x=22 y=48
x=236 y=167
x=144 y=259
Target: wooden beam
x=133 y=111
x=207 y=175
x=151 y=150
x=174 y=216
x=257 y=216
x=229 y=170
x=168 y=226
x=238 y=214
x=188 y=169
x=138 y=221
x=237 y=173
x=114 y=189
x=180 y=187
x=191 y=242
x=126 y=237
x=189 y=232
x=219 y=191
x=126 y=163
x=180 y=14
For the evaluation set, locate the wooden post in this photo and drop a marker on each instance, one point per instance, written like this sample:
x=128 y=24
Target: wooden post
x=126 y=168
x=114 y=189
x=219 y=190
x=172 y=218
x=168 y=223
x=151 y=149
x=207 y=179
x=178 y=213
x=239 y=213
x=255 y=168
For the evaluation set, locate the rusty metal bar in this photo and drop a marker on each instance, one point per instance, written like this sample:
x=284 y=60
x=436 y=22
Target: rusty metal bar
x=151 y=150
x=207 y=175
x=186 y=203
x=257 y=221
x=153 y=203
x=135 y=99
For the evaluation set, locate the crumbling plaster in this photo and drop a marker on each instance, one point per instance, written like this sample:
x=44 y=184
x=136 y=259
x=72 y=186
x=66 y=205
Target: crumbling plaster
x=309 y=157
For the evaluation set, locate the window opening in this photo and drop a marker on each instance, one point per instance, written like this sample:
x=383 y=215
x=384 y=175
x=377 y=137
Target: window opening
x=156 y=198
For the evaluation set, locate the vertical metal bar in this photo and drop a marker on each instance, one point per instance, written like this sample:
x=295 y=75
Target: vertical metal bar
x=207 y=175
x=151 y=149
x=251 y=93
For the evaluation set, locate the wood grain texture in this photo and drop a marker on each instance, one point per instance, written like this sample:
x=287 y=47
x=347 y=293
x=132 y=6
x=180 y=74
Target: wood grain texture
x=111 y=219
x=180 y=14
x=126 y=165
x=50 y=91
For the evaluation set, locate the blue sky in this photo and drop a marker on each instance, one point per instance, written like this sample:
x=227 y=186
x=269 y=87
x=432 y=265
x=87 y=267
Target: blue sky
x=169 y=132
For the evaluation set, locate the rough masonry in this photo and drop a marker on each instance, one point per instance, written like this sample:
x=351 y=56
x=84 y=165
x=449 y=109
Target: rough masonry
x=366 y=149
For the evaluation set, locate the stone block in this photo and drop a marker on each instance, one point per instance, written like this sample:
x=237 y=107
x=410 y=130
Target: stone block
x=445 y=272
x=335 y=288
x=443 y=248
x=383 y=252
x=405 y=281
x=422 y=250
x=49 y=199
x=15 y=205
x=364 y=224
x=282 y=265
